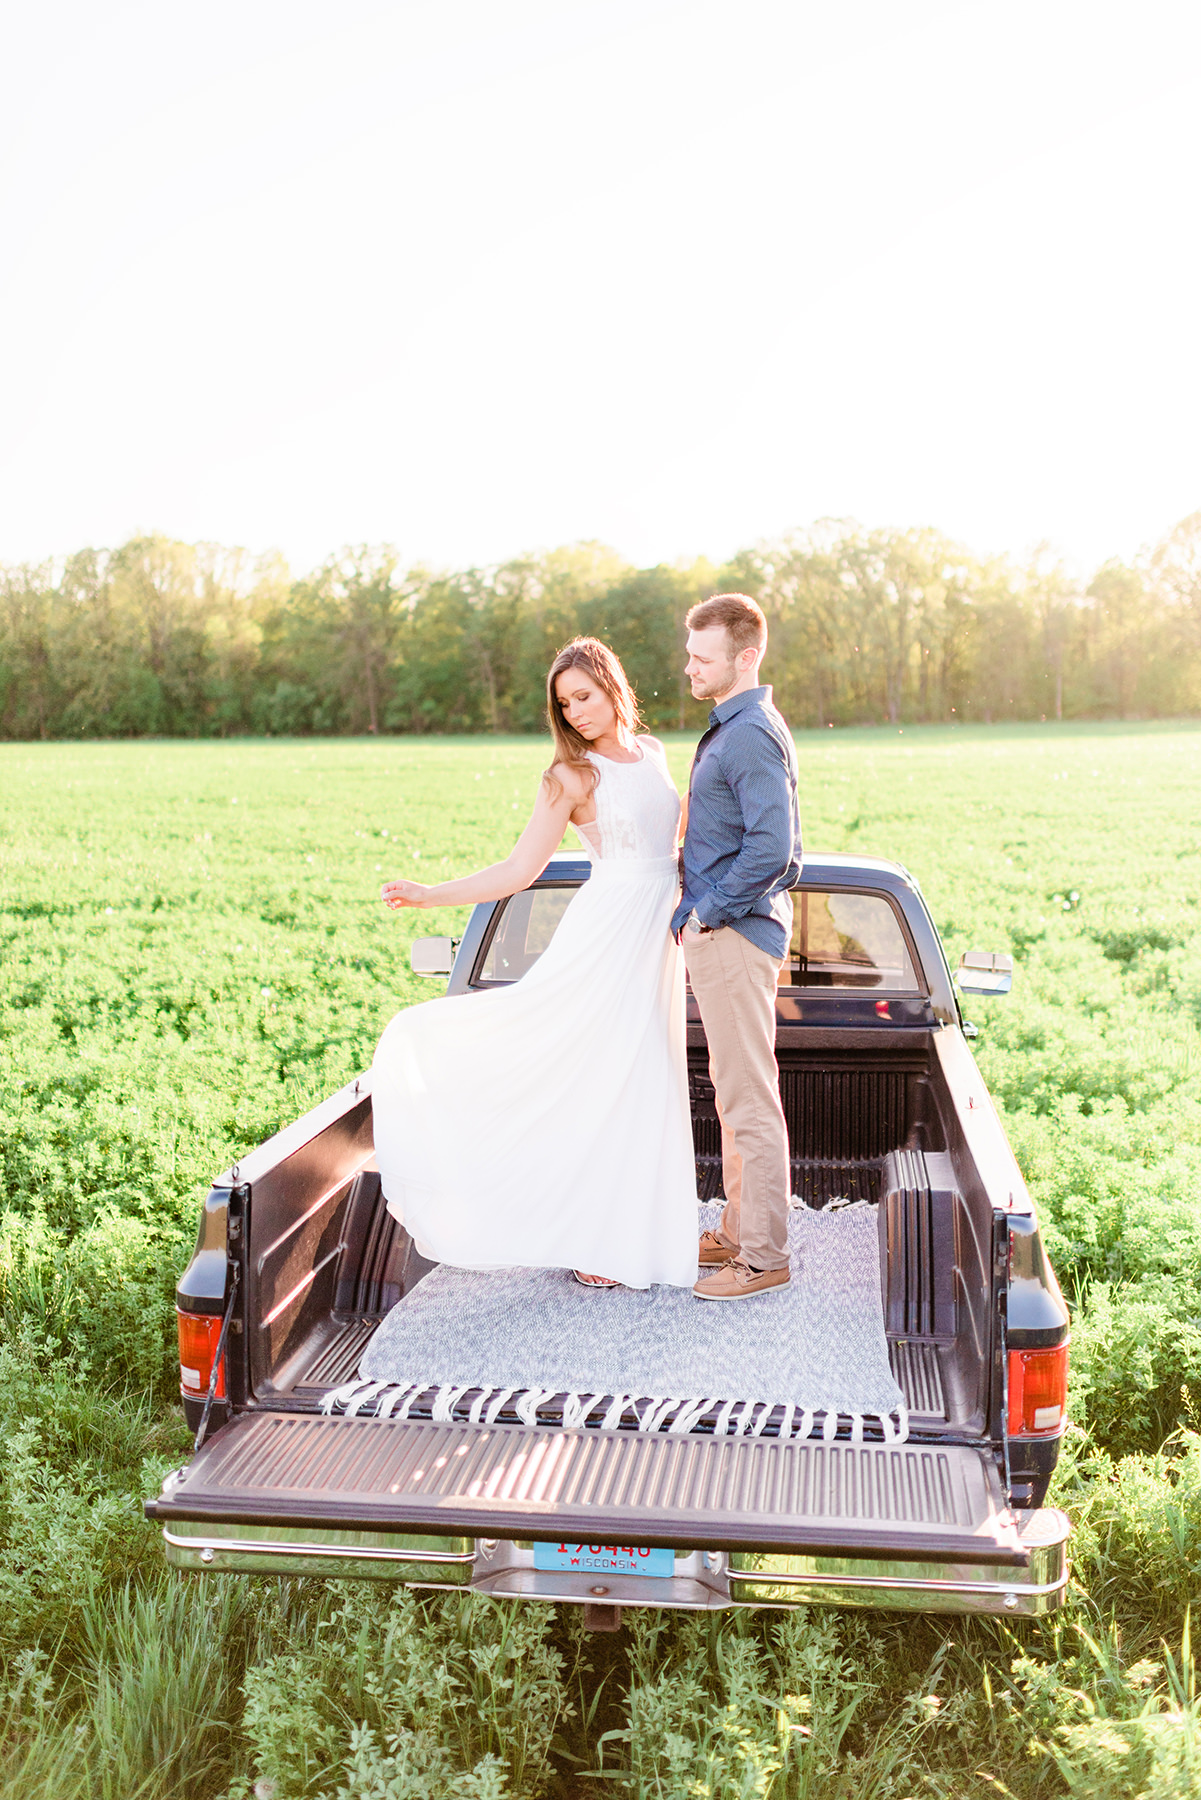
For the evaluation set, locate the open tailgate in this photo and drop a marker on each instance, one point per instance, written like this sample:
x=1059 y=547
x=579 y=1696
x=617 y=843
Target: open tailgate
x=927 y=1502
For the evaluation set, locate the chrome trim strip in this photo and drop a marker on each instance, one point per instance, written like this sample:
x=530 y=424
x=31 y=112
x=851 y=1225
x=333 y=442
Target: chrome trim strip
x=891 y=1582
x=348 y=1552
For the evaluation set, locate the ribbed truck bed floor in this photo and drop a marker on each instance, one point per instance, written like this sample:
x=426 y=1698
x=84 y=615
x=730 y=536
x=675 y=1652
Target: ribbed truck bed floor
x=928 y=1502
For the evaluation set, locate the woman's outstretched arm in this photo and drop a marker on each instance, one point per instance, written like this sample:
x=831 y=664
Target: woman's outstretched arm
x=525 y=861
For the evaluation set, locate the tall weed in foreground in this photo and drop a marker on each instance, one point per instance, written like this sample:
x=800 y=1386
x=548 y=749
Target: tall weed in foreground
x=677 y=1740
x=143 y=1710
x=797 y=1705
x=812 y=1705
x=1136 y=1541
x=75 y=1461
x=1137 y=1733
x=392 y=1697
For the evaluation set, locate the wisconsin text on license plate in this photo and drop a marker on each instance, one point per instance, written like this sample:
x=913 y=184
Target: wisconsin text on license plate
x=605 y=1559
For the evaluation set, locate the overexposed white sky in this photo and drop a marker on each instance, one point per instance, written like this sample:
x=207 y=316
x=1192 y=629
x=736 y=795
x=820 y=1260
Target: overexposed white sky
x=674 y=274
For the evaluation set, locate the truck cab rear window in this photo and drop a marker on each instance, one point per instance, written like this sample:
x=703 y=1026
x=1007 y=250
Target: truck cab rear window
x=839 y=940
x=526 y=927
x=847 y=941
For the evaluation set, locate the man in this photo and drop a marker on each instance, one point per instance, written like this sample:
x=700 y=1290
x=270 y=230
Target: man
x=742 y=851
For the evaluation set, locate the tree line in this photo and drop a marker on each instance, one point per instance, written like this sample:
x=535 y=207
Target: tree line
x=161 y=638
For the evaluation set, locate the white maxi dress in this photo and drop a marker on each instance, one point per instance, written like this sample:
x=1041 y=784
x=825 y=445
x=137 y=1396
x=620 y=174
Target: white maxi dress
x=547 y=1124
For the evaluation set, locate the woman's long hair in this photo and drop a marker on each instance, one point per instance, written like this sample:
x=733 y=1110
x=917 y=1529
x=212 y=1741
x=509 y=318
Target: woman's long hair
x=608 y=674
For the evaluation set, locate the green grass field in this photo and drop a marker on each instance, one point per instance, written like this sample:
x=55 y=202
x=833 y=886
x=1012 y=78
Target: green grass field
x=193 y=952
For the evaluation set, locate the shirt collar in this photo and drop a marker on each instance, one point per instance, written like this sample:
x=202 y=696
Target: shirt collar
x=757 y=696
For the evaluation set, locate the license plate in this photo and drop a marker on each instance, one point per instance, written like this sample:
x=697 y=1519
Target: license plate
x=605 y=1559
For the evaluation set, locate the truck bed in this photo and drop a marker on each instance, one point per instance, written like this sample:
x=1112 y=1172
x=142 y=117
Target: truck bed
x=866 y=1122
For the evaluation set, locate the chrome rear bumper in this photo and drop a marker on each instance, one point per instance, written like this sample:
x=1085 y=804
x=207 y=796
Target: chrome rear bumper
x=704 y=1580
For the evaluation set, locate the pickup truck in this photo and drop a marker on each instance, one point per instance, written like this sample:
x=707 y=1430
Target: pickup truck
x=300 y=1466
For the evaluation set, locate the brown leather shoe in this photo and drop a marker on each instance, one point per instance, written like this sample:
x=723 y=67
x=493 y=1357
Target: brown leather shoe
x=711 y=1252
x=738 y=1281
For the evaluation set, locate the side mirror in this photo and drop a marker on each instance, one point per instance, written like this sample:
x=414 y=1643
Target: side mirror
x=433 y=956
x=984 y=972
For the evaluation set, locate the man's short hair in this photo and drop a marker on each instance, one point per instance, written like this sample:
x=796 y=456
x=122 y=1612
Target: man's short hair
x=742 y=617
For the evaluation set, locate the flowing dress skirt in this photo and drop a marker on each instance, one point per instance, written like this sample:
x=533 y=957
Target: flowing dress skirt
x=547 y=1124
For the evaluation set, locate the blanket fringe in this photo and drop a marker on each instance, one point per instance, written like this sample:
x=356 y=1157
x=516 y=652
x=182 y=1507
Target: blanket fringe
x=397 y=1402
x=674 y=1414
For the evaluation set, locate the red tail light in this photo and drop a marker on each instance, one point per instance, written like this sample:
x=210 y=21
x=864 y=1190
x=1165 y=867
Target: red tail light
x=1038 y=1391
x=198 y=1334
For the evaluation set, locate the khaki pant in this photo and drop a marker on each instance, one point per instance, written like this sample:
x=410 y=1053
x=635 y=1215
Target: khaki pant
x=735 y=987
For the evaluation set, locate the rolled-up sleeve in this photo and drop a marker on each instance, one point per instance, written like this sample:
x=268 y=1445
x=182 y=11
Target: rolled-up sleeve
x=761 y=782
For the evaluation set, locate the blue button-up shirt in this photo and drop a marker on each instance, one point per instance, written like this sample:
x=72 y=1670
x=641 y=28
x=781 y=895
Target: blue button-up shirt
x=742 y=849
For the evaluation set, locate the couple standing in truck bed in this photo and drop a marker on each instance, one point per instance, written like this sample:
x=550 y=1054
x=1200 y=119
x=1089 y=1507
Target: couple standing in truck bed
x=547 y=1124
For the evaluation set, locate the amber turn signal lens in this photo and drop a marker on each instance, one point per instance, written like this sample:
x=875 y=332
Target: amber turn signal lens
x=198 y=1334
x=1038 y=1391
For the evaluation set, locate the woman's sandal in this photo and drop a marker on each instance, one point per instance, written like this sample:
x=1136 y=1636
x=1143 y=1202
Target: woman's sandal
x=594 y=1281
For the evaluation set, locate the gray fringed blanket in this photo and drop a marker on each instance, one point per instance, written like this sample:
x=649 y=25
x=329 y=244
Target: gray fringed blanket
x=514 y=1338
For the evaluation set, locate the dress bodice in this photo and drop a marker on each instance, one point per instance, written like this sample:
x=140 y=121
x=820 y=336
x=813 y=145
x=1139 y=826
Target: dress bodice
x=637 y=808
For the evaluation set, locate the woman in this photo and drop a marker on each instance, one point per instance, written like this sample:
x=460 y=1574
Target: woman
x=547 y=1124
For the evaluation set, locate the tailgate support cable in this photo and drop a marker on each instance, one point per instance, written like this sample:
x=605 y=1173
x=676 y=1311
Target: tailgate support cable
x=235 y=1273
